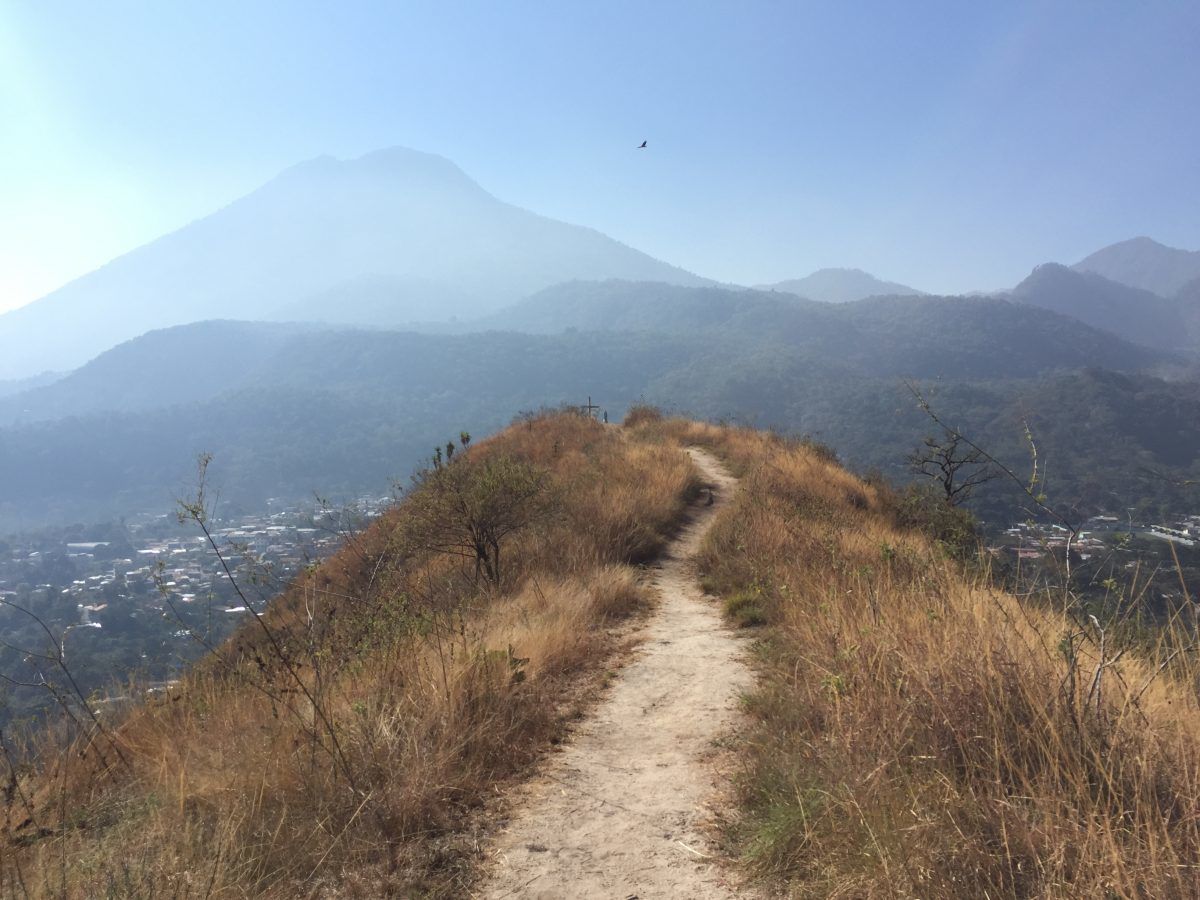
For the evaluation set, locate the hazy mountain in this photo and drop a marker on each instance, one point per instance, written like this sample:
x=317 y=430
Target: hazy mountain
x=840 y=286
x=1144 y=263
x=379 y=301
x=1189 y=301
x=917 y=335
x=925 y=337
x=1136 y=314
x=393 y=236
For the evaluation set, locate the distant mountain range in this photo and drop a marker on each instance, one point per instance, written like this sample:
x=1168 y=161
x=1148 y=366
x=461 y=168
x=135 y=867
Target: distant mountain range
x=399 y=237
x=290 y=409
x=1146 y=264
x=391 y=237
x=924 y=336
x=840 y=286
x=323 y=332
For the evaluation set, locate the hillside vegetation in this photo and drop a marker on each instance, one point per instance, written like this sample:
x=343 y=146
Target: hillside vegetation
x=918 y=733
x=342 y=741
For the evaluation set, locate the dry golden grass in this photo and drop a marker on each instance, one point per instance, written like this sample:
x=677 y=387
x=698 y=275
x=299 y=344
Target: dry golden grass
x=917 y=733
x=422 y=693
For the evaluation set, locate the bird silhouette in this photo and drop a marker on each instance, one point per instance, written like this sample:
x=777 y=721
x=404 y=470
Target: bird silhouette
x=642 y=145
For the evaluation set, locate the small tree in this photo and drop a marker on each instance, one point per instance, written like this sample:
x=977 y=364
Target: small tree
x=469 y=508
x=957 y=467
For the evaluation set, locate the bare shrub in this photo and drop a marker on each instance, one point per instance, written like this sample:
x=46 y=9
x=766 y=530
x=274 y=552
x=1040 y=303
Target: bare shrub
x=642 y=414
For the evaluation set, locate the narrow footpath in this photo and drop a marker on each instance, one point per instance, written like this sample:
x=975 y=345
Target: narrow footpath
x=621 y=812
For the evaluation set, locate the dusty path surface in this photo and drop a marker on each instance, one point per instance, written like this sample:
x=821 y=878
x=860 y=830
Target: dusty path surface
x=620 y=812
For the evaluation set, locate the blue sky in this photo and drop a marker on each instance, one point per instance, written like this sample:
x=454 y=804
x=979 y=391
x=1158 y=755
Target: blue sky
x=948 y=145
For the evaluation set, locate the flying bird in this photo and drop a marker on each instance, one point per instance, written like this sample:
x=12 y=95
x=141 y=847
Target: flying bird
x=642 y=145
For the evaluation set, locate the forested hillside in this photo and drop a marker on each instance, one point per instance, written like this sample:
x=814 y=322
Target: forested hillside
x=288 y=410
x=925 y=335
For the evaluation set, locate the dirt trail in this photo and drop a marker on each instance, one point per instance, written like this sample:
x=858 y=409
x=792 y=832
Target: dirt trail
x=620 y=812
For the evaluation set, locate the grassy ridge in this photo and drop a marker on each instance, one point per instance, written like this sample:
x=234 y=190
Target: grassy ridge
x=346 y=752
x=914 y=731
x=917 y=732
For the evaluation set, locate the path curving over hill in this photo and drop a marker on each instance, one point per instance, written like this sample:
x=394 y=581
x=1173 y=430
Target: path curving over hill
x=621 y=812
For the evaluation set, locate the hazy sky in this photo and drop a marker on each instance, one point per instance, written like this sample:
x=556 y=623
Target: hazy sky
x=948 y=145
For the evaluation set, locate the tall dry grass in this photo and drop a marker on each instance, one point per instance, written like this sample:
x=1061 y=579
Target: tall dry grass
x=917 y=733
x=417 y=694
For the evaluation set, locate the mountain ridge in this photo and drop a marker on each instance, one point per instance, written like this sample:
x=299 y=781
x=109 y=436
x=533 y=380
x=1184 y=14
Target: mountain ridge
x=317 y=225
x=1134 y=313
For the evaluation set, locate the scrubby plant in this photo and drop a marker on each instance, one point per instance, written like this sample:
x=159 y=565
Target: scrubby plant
x=956 y=467
x=642 y=414
x=470 y=508
x=745 y=607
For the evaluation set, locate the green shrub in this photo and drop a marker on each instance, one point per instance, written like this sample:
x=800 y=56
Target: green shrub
x=746 y=609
